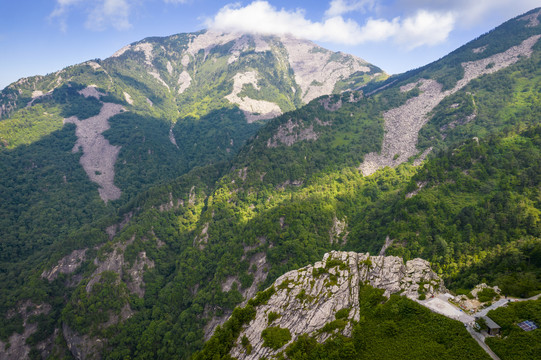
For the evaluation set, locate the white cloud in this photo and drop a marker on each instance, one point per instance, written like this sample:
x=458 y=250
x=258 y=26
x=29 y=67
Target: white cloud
x=101 y=13
x=340 y=7
x=107 y=13
x=423 y=28
x=60 y=12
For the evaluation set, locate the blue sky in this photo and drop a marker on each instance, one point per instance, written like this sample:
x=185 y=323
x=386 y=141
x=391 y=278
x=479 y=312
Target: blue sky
x=39 y=37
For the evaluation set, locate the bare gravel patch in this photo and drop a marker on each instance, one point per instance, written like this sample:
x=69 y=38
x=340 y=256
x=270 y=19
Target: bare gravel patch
x=402 y=124
x=99 y=156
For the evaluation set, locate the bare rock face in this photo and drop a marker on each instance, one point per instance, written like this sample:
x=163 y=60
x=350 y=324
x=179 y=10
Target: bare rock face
x=338 y=233
x=533 y=19
x=263 y=109
x=318 y=70
x=82 y=347
x=114 y=261
x=292 y=132
x=67 y=265
x=115 y=228
x=136 y=272
x=89 y=347
x=307 y=299
x=18 y=349
x=258 y=261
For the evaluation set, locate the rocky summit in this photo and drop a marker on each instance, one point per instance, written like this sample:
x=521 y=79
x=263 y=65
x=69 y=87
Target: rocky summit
x=305 y=300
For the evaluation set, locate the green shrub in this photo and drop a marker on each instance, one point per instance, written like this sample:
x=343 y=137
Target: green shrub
x=272 y=316
x=333 y=325
x=487 y=294
x=316 y=272
x=335 y=262
x=246 y=344
x=275 y=337
x=342 y=313
x=262 y=297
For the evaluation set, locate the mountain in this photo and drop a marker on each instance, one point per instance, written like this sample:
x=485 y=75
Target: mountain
x=80 y=144
x=440 y=163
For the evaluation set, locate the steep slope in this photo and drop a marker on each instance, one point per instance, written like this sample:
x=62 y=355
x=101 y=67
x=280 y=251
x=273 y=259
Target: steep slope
x=192 y=74
x=195 y=84
x=80 y=144
x=150 y=113
x=190 y=250
x=487 y=55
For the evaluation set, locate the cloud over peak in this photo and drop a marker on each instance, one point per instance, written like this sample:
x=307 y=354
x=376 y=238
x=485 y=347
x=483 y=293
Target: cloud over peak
x=422 y=28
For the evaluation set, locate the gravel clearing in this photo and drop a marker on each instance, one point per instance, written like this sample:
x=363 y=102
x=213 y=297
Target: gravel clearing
x=99 y=156
x=443 y=307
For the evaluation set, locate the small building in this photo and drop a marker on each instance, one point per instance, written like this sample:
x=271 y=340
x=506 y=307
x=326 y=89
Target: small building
x=493 y=328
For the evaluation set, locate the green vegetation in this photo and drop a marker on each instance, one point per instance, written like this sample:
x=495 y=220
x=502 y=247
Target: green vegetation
x=342 y=314
x=514 y=342
x=29 y=125
x=275 y=337
x=486 y=295
x=225 y=336
x=397 y=328
x=474 y=219
x=508 y=100
x=106 y=298
x=271 y=316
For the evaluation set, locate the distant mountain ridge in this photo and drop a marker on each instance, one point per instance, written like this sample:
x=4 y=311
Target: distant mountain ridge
x=177 y=66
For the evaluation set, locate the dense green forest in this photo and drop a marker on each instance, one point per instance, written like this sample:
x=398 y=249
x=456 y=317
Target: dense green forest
x=249 y=202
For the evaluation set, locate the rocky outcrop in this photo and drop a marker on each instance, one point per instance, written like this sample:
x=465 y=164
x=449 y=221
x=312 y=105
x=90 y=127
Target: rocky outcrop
x=402 y=124
x=112 y=230
x=307 y=299
x=114 y=261
x=91 y=91
x=338 y=233
x=292 y=132
x=82 y=347
x=90 y=347
x=171 y=204
x=18 y=348
x=67 y=265
x=533 y=18
x=184 y=81
x=317 y=70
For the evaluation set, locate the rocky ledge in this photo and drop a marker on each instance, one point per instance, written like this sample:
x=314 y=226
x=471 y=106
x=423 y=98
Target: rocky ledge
x=305 y=300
